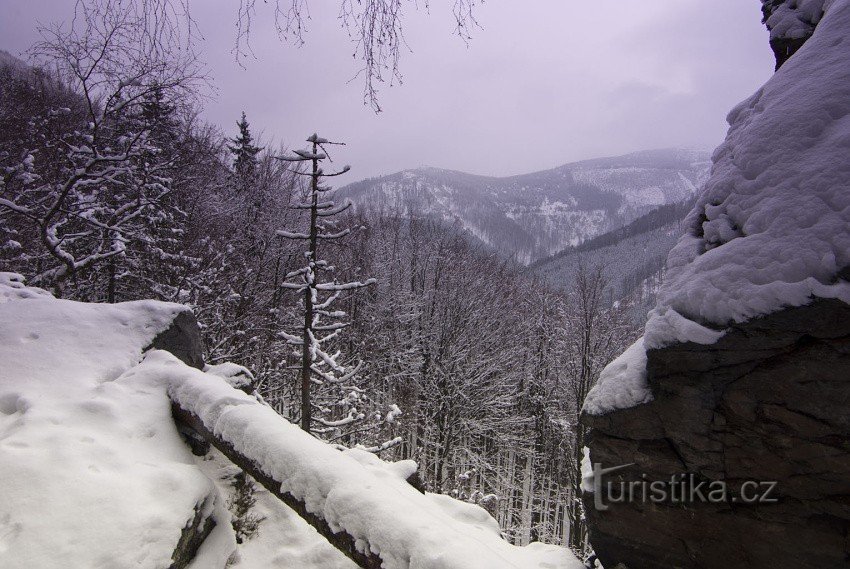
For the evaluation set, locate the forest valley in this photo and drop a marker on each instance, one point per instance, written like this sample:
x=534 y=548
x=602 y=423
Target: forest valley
x=393 y=332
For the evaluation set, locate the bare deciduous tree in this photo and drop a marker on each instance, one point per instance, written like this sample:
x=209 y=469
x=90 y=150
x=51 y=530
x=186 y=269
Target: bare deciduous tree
x=103 y=177
x=374 y=26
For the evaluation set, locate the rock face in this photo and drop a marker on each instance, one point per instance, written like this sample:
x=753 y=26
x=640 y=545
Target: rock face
x=194 y=533
x=770 y=401
x=791 y=23
x=183 y=340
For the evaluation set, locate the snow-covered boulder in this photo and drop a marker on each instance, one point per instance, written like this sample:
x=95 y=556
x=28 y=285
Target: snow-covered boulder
x=746 y=374
x=93 y=471
x=791 y=23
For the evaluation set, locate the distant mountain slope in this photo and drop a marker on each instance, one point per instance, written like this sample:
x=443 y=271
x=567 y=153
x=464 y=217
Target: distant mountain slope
x=632 y=256
x=532 y=216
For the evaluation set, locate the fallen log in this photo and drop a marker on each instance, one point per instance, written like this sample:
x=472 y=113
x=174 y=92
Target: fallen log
x=364 y=506
x=340 y=540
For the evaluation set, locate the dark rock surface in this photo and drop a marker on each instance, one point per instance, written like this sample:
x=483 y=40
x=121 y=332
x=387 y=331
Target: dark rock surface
x=183 y=340
x=784 y=47
x=770 y=401
x=194 y=533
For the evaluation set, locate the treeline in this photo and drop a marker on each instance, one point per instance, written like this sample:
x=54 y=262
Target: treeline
x=657 y=218
x=113 y=189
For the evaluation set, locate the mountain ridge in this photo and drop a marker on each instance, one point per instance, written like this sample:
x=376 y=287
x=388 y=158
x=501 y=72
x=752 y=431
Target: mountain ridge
x=535 y=215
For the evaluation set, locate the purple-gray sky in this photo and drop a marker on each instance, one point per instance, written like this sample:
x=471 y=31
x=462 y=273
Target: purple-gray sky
x=543 y=83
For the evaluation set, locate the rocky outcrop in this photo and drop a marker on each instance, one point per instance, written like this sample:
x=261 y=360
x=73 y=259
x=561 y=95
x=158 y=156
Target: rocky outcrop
x=183 y=340
x=768 y=402
x=791 y=23
x=194 y=533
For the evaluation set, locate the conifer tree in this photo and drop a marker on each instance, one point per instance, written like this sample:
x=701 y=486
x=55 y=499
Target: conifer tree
x=244 y=153
x=319 y=290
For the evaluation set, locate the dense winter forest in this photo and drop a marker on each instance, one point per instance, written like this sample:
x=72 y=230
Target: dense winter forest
x=221 y=351
x=434 y=347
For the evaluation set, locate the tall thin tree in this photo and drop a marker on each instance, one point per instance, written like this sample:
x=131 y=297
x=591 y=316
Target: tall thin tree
x=318 y=363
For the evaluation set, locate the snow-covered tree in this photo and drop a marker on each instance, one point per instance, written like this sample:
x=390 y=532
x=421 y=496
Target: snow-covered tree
x=85 y=192
x=244 y=153
x=321 y=364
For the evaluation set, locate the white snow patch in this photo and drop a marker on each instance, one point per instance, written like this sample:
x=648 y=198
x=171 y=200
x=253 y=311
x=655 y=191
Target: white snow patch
x=93 y=471
x=586 y=471
x=622 y=384
x=235 y=375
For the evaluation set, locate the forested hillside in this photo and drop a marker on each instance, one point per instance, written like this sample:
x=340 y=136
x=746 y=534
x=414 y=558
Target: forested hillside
x=452 y=356
x=632 y=258
x=532 y=216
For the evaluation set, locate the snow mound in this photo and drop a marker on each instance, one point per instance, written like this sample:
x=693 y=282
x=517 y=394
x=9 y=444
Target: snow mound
x=12 y=287
x=622 y=384
x=93 y=471
x=772 y=226
x=235 y=375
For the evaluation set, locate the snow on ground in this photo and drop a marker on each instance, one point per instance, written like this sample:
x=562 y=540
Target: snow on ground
x=93 y=471
x=771 y=228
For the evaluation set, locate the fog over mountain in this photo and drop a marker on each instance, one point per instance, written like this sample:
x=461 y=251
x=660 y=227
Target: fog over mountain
x=532 y=216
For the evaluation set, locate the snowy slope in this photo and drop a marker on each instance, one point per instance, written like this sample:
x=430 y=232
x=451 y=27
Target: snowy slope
x=536 y=215
x=630 y=255
x=772 y=227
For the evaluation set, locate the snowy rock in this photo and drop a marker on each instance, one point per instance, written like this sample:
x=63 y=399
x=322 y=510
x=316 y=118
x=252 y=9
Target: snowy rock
x=791 y=23
x=94 y=473
x=621 y=384
x=183 y=339
x=747 y=355
x=772 y=227
x=767 y=402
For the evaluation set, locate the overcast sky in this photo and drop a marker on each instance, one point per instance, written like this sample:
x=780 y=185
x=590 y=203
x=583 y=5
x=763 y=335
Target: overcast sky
x=539 y=85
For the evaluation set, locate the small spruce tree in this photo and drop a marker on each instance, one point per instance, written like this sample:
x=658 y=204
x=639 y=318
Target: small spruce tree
x=244 y=153
x=245 y=523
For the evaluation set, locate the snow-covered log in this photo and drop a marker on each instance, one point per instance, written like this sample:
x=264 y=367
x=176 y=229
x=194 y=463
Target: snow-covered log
x=361 y=504
x=341 y=541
